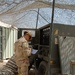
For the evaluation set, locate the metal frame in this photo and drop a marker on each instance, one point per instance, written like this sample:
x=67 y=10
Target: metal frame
x=51 y=38
x=1 y=44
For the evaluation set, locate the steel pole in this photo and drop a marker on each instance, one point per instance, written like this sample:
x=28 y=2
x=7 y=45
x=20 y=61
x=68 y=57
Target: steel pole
x=37 y=18
x=51 y=38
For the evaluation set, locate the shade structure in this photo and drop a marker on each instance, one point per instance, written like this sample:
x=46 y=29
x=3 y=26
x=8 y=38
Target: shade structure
x=23 y=13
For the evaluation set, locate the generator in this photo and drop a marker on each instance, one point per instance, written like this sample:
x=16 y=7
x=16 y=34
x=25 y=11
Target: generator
x=41 y=42
x=43 y=47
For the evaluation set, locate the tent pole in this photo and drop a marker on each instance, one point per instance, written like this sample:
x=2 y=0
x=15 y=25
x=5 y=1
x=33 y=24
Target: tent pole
x=37 y=23
x=51 y=39
x=37 y=19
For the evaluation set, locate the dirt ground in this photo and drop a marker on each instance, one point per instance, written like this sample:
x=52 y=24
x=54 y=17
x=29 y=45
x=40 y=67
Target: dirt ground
x=3 y=63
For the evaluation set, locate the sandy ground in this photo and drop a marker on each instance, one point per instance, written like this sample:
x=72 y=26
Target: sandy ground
x=3 y=63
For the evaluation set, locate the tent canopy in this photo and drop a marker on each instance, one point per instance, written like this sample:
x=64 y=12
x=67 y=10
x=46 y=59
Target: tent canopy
x=2 y=24
x=23 y=13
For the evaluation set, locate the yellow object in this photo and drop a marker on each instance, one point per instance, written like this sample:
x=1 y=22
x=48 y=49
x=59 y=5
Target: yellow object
x=51 y=62
x=56 y=32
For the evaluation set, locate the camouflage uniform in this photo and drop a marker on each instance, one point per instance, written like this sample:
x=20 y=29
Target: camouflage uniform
x=21 y=56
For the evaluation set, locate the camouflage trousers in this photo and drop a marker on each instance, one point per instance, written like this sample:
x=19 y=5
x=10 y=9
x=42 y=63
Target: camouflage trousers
x=22 y=67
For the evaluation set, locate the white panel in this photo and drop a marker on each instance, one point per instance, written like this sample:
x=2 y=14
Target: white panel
x=4 y=42
x=11 y=42
x=7 y=43
x=11 y=36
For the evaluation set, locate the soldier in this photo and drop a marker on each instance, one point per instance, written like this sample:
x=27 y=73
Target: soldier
x=22 y=51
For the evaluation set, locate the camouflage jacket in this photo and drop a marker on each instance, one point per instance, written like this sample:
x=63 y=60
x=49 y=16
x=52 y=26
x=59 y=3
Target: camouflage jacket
x=21 y=49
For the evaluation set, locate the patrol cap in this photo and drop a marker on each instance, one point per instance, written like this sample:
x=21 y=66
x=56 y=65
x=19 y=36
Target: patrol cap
x=28 y=33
